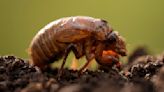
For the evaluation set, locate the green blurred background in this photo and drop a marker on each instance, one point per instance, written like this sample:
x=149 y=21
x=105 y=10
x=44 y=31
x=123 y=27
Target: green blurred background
x=141 y=22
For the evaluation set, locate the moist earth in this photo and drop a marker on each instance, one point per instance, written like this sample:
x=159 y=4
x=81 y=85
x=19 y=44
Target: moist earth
x=142 y=73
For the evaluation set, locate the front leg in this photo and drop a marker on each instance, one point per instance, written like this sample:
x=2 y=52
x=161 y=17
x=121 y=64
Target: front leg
x=106 y=58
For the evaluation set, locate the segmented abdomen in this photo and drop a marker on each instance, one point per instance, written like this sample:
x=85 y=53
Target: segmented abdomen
x=44 y=49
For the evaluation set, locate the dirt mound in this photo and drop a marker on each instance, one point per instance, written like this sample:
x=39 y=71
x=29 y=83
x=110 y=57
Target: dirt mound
x=16 y=75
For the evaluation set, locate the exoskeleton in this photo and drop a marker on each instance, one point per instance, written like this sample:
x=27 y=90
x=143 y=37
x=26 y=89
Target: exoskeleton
x=85 y=36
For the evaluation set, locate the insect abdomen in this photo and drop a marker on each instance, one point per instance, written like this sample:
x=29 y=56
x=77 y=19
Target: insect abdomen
x=44 y=49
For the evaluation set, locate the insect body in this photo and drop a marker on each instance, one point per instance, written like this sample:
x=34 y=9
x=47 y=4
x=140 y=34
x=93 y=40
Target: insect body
x=85 y=36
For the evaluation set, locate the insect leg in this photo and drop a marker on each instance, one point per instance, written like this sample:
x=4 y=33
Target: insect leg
x=89 y=52
x=84 y=67
x=77 y=50
x=67 y=51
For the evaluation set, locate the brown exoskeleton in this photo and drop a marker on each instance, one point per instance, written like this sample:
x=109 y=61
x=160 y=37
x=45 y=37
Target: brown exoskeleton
x=85 y=36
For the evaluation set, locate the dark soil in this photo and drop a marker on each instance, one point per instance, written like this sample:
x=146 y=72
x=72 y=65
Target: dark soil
x=144 y=73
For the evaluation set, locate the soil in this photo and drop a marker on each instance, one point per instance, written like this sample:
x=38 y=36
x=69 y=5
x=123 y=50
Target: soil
x=143 y=73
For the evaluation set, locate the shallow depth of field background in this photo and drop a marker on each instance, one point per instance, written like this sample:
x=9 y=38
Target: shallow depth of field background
x=141 y=22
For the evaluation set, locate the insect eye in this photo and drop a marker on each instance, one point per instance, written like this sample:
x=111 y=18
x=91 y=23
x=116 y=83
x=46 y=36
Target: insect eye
x=104 y=21
x=112 y=37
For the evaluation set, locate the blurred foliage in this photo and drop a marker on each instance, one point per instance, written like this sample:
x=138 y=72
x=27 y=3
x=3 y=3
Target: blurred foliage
x=139 y=21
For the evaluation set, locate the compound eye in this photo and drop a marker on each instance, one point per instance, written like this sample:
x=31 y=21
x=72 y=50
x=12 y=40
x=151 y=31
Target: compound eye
x=112 y=37
x=104 y=21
